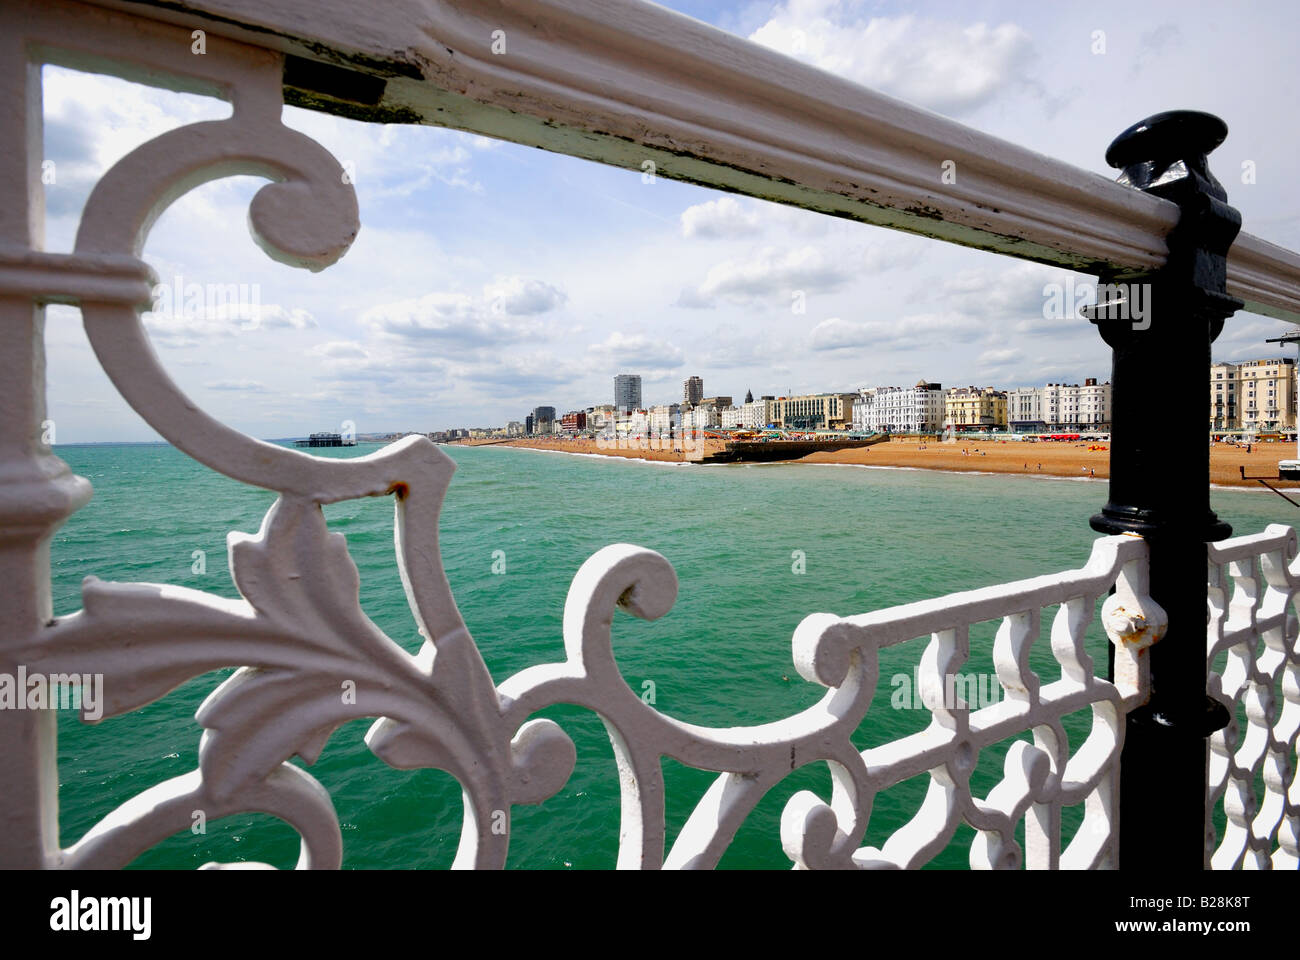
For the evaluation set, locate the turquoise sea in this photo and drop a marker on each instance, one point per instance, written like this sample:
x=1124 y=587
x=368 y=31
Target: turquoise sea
x=870 y=538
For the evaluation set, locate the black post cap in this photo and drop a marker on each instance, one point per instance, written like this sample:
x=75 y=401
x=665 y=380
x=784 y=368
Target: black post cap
x=1164 y=138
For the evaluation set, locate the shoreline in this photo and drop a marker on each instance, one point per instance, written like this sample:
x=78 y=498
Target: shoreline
x=1062 y=461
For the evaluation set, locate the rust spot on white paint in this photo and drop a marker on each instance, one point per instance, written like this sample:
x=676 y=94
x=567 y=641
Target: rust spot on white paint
x=1131 y=628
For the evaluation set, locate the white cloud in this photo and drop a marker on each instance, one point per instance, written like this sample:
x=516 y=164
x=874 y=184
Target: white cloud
x=769 y=273
x=837 y=334
x=1014 y=297
x=339 y=350
x=520 y=296
x=461 y=321
x=637 y=351
x=393 y=161
x=249 y=386
x=724 y=217
x=912 y=332
x=454 y=320
x=729 y=218
x=998 y=357
x=204 y=326
x=522 y=377
x=938 y=64
x=774 y=274
x=273 y=316
x=729 y=347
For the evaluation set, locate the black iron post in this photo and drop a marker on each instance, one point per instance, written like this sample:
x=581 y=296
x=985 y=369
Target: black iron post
x=1160 y=327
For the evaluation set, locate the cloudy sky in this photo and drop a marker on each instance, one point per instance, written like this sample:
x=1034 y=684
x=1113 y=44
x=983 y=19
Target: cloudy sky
x=489 y=278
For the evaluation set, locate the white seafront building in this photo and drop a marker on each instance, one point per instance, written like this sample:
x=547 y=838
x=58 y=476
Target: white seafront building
x=601 y=418
x=1059 y=406
x=915 y=409
x=1025 y=409
x=664 y=419
x=703 y=417
x=758 y=414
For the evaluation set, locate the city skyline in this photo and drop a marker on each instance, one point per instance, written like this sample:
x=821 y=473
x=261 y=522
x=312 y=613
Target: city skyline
x=557 y=412
x=1027 y=404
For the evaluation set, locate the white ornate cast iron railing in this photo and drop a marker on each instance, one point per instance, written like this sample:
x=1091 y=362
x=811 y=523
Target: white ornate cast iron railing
x=621 y=83
x=1253 y=585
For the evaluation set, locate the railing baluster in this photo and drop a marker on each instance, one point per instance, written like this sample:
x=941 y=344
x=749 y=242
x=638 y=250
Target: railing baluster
x=37 y=491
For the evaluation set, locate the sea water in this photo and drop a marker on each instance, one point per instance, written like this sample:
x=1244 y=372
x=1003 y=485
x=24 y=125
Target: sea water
x=756 y=548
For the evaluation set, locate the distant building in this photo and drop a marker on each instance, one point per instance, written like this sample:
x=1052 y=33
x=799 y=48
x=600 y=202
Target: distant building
x=601 y=418
x=703 y=417
x=575 y=421
x=975 y=408
x=627 y=392
x=915 y=409
x=731 y=418
x=818 y=411
x=1059 y=407
x=1059 y=402
x=692 y=391
x=720 y=402
x=1025 y=410
x=514 y=429
x=528 y=425
x=758 y=414
x=665 y=419
x=1094 y=404
x=543 y=420
x=1224 y=414
x=1253 y=395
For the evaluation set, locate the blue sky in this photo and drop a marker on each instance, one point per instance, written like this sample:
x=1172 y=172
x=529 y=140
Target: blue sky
x=489 y=278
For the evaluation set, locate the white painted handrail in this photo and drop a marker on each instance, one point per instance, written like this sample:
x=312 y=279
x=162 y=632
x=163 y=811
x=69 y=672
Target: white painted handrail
x=625 y=81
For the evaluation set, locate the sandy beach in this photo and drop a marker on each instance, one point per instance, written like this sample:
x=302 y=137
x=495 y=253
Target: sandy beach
x=1090 y=460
